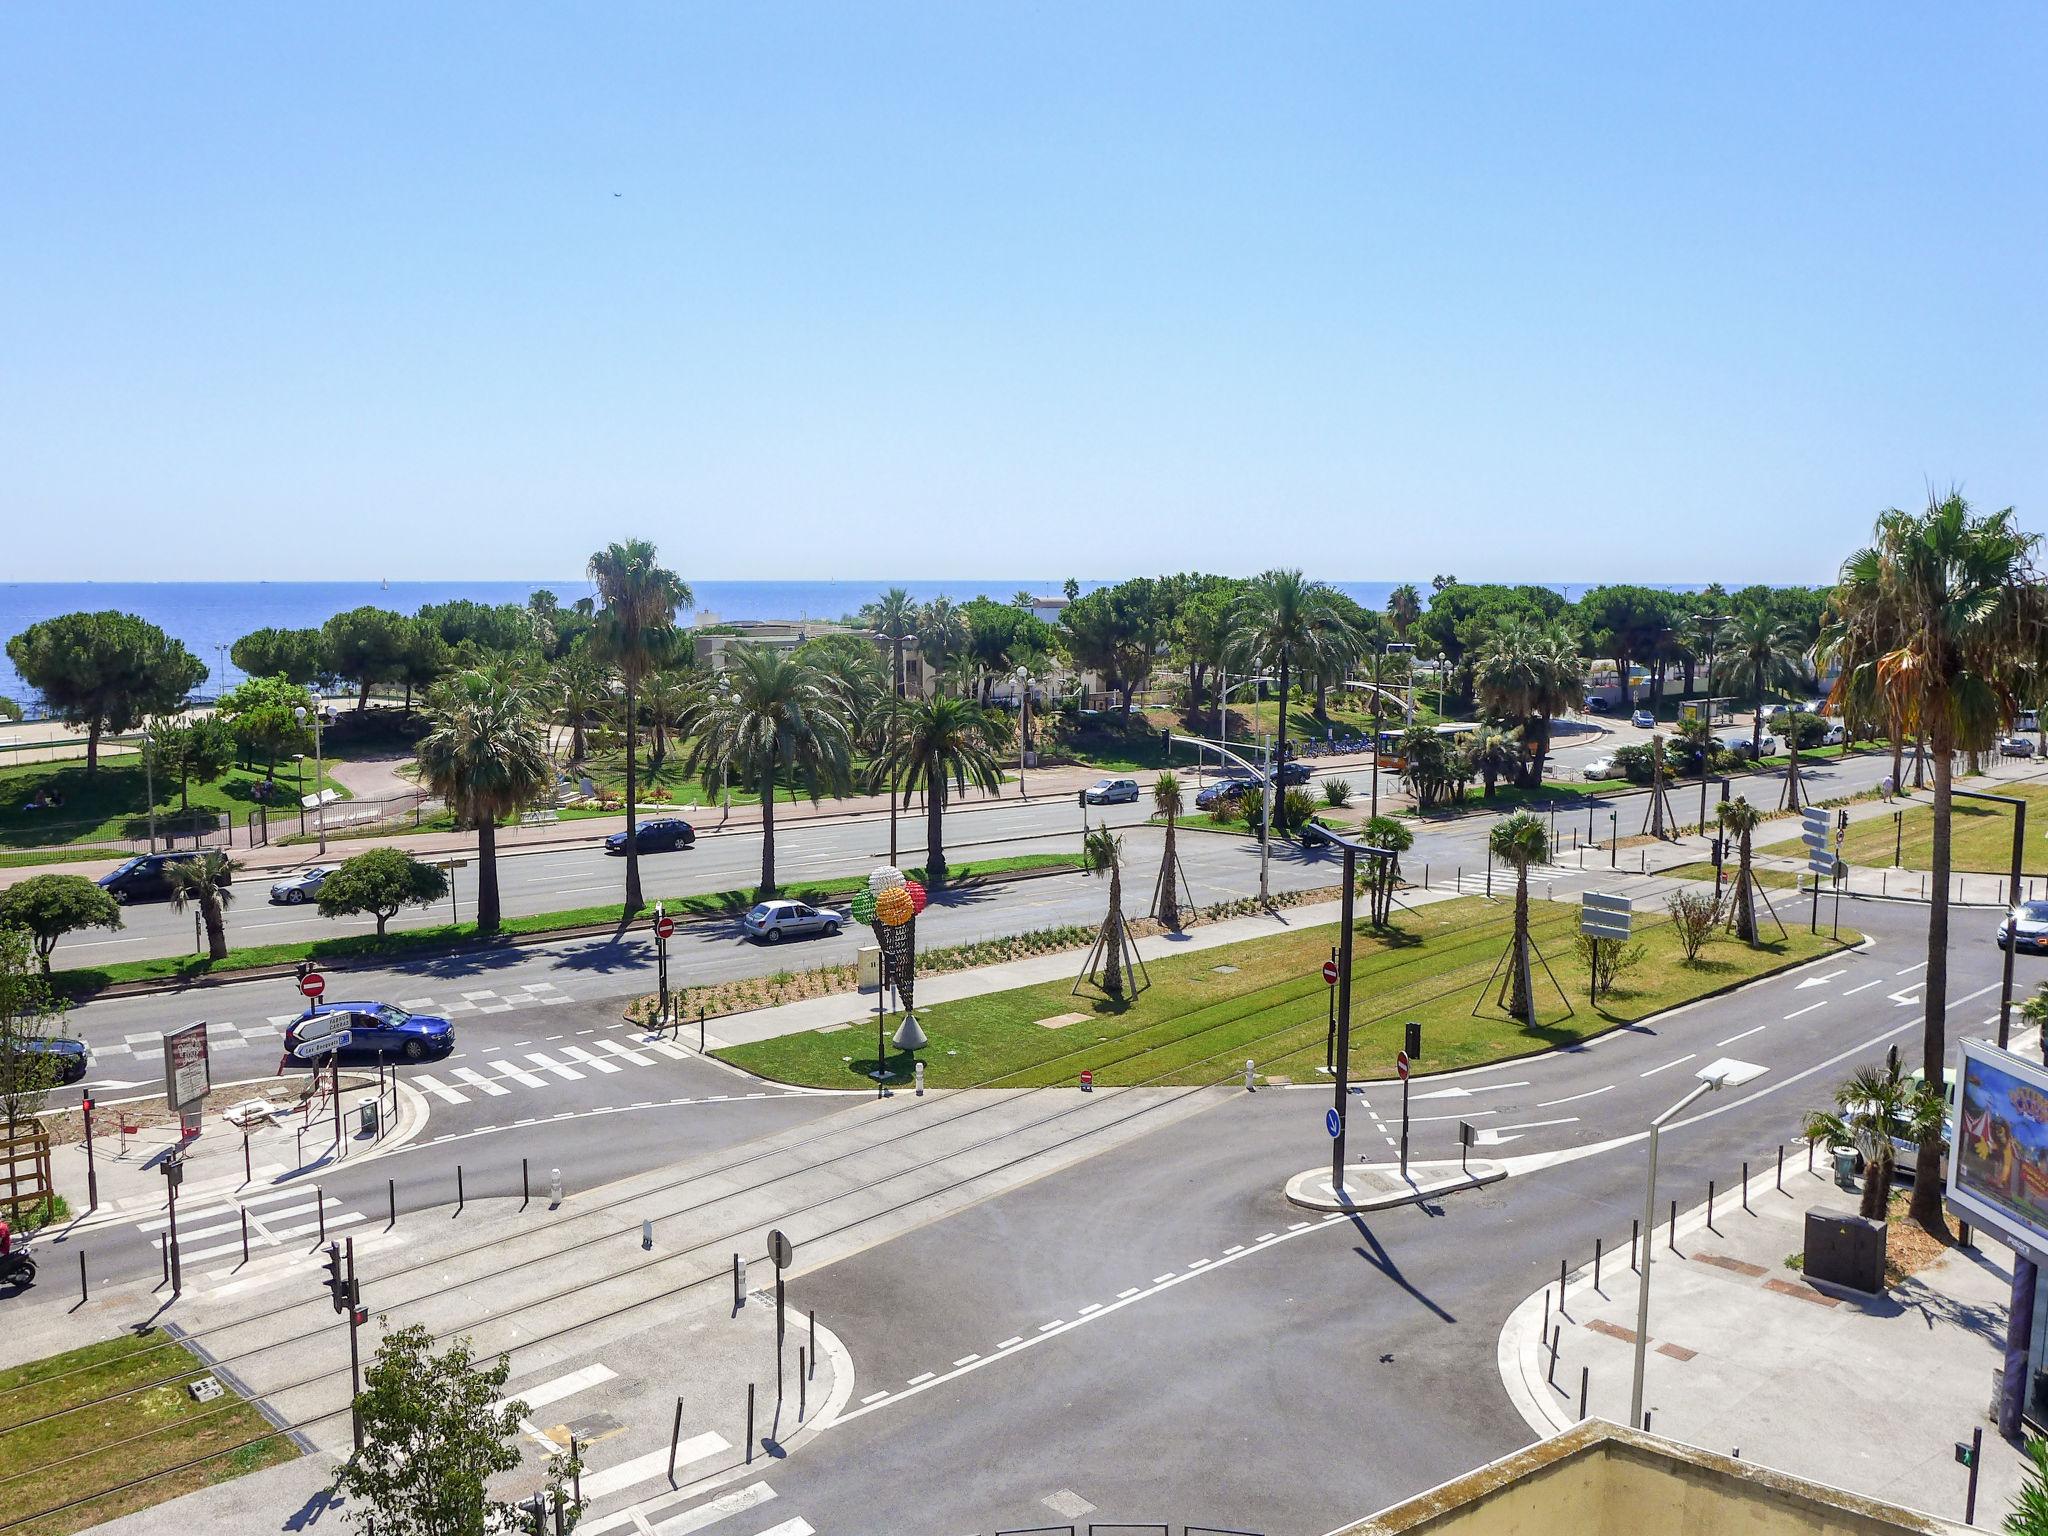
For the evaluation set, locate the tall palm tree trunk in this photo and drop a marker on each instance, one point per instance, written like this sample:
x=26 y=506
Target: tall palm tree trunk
x=632 y=789
x=934 y=830
x=1745 y=900
x=1113 y=936
x=1279 y=743
x=1518 y=984
x=487 y=911
x=1927 y=1183
x=216 y=925
x=767 y=834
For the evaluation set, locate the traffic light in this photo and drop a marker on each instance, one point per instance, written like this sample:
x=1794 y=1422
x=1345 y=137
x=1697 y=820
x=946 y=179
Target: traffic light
x=1414 y=1040
x=337 y=1287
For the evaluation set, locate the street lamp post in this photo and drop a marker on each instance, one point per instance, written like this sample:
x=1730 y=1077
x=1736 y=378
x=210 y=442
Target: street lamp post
x=149 y=785
x=1724 y=1073
x=1712 y=623
x=1023 y=727
x=319 y=773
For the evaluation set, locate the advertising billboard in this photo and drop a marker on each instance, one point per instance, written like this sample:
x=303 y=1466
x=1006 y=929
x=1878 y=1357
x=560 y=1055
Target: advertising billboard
x=1998 y=1165
x=188 y=1073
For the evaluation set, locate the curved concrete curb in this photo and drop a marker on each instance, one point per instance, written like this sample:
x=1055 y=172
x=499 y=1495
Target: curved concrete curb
x=1378 y=1186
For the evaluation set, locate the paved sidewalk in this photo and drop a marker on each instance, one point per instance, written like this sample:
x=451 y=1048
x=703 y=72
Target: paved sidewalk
x=1868 y=1394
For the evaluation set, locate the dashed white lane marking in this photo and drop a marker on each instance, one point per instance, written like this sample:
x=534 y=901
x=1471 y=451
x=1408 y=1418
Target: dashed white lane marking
x=1592 y=1093
x=1796 y=1012
x=1127 y=1295
x=1235 y=1248
x=1162 y=1279
x=1688 y=1056
x=1093 y=1306
x=1865 y=987
x=1009 y=1342
x=873 y=1397
x=1267 y=1237
x=966 y=1360
x=1470 y=1114
x=1292 y=1227
x=1058 y=1322
x=1919 y=965
x=1743 y=1036
x=920 y=1379
x=1527 y=1125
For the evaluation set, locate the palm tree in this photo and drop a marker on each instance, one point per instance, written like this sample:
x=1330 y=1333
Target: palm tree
x=775 y=719
x=1102 y=853
x=1938 y=617
x=635 y=631
x=1385 y=874
x=941 y=632
x=1491 y=752
x=582 y=686
x=486 y=756
x=1404 y=607
x=1519 y=840
x=667 y=700
x=199 y=883
x=1284 y=621
x=1529 y=672
x=1759 y=652
x=894 y=617
x=1168 y=802
x=1739 y=820
x=933 y=744
x=1874 y=1105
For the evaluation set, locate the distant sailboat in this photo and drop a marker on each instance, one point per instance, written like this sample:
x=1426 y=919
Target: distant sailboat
x=387 y=584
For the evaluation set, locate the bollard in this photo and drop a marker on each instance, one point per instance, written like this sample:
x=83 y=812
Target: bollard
x=1545 y=1330
x=814 y=1340
x=1646 y=1421
x=164 y=1243
x=1247 y=1074
x=700 y=1031
x=1560 y=1287
x=245 y=1235
x=1745 y=1186
x=1671 y=1231
x=1809 y=1154
x=575 y=1479
x=391 y=1202
x=739 y=1283
x=1976 y=1455
x=1585 y=1381
x=1781 y=1167
x=1556 y=1336
x=750 y=1423
x=83 y=1294
x=555 y=1186
x=1635 y=1234
x=459 y=1200
x=647 y=1233
x=1710 y=1209
x=525 y=1188
x=675 y=1436
x=800 y=1383
x=920 y=1079
x=1596 y=1263
x=320 y=1205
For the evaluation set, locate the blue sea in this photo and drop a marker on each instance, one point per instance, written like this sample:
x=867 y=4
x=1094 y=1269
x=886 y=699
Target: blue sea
x=210 y=616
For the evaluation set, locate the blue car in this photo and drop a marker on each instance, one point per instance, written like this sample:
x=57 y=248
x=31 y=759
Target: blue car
x=373 y=1029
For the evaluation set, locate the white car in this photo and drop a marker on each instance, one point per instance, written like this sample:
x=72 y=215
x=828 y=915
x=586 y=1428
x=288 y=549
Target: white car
x=1834 y=734
x=294 y=890
x=1110 y=791
x=1601 y=768
x=773 y=921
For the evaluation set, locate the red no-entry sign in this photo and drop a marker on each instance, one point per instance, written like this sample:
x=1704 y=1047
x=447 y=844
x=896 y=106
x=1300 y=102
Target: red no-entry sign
x=1087 y=1082
x=1401 y=1064
x=1330 y=972
x=312 y=984
x=664 y=927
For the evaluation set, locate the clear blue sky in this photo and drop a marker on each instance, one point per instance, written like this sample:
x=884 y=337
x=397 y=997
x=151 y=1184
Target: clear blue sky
x=1641 y=291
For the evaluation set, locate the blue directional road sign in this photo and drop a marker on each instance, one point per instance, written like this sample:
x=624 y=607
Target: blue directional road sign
x=1332 y=1122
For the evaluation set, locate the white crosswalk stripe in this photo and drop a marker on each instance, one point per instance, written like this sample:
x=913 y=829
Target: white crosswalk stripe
x=548 y=1063
x=633 y=1056
x=595 y=1063
x=518 y=1074
x=437 y=1088
x=476 y=1079
x=723 y=1507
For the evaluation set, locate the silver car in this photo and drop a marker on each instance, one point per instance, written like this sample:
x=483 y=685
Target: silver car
x=302 y=887
x=773 y=921
x=1110 y=791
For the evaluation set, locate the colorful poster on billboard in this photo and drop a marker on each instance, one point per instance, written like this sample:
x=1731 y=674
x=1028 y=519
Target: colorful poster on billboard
x=1998 y=1167
x=188 y=1072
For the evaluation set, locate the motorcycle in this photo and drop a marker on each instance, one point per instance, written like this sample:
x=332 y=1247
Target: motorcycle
x=17 y=1268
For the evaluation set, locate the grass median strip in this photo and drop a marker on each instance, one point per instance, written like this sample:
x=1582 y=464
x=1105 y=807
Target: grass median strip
x=51 y=1457
x=1772 y=879
x=1199 y=1022
x=83 y=982
x=1982 y=840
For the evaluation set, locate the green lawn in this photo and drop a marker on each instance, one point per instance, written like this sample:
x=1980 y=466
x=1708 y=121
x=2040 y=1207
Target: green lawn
x=85 y=981
x=113 y=804
x=25 y=858
x=1771 y=879
x=1981 y=841
x=1197 y=1025
x=156 y=1421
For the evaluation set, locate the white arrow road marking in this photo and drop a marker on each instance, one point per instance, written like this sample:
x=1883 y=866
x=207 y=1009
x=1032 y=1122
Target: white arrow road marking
x=1466 y=1093
x=1815 y=981
x=1904 y=996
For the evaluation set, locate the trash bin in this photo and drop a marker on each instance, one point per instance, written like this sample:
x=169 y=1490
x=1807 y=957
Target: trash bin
x=1845 y=1167
x=370 y=1118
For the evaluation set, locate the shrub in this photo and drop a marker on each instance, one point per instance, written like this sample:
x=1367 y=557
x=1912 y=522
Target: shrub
x=1296 y=809
x=1608 y=960
x=1336 y=792
x=1694 y=917
x=1633 y=764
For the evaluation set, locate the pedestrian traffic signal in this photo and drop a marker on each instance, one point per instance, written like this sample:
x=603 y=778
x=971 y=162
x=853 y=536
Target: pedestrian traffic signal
x=1414 y=1047
x=337 y=1287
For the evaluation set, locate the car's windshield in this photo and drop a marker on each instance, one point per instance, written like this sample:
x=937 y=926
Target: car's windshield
x=759 y=912
x=391 y=1013
x=130 y=867
x=2034 y=911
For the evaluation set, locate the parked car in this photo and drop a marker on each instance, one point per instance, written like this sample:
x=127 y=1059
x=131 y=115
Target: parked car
x=1110 y=791
x=373 y=1029
x=2025 y=928
x=1221 y=792
x=294 y=890
x=144 y=878
x=663 y=835
x=1596 y=705
x=1833 y=735
x=773 y=921
x=1642 y=719
x=1292 y=773
x=1601 y=768
x=2029 y=720
x=2017 y=746
x=1770 y=714
x=70 y=1057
